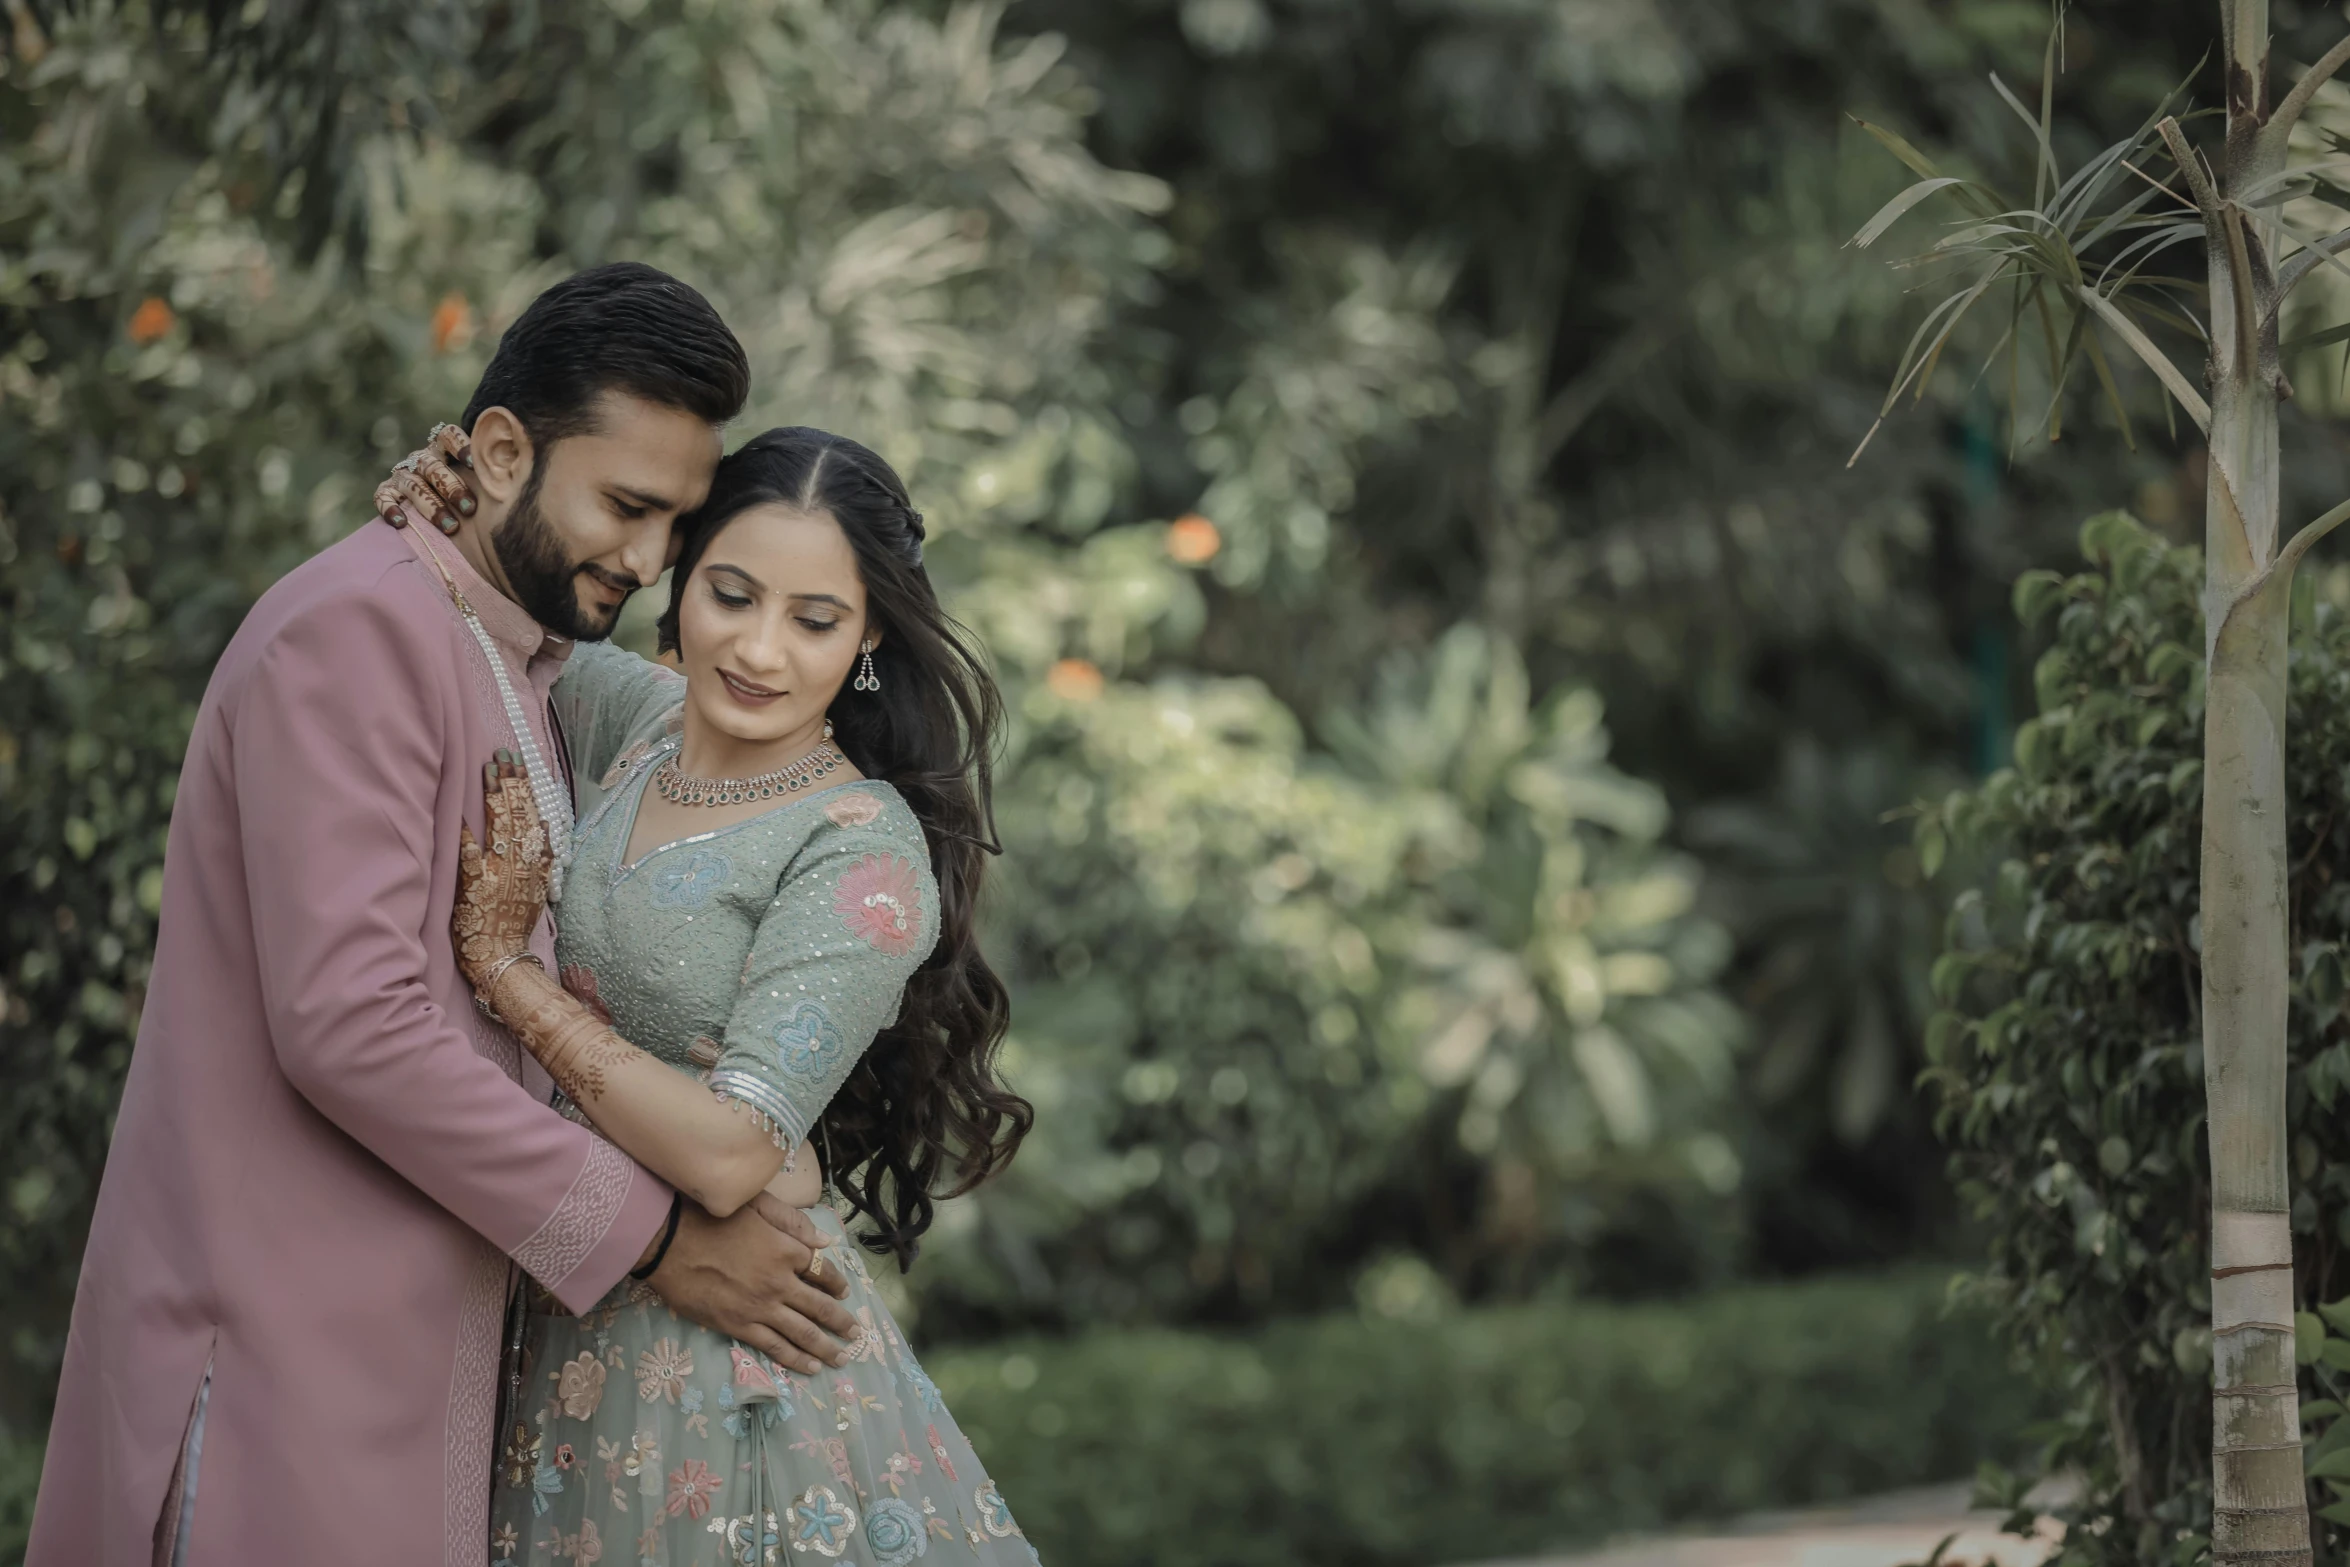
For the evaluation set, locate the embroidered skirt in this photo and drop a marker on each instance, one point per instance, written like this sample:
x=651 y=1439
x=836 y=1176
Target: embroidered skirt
x=642 y=1437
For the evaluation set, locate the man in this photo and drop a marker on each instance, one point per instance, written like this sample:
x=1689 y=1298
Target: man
x=327 y=1163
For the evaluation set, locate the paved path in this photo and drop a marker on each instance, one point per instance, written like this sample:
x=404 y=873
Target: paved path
x=1886 y=1531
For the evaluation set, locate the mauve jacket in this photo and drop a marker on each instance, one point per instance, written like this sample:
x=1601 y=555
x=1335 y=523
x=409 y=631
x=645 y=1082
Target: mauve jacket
x=326 y=1163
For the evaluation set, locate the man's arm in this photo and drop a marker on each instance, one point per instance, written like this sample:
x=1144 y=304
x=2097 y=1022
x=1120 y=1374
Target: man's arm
x=338 y=748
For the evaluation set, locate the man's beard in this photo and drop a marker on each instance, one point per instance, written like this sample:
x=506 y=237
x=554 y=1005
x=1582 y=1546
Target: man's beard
x=543 y=575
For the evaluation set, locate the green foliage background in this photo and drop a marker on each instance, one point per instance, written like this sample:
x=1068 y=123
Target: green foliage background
x=2067 y=1060
x=1462 y=874
x=1270 y=981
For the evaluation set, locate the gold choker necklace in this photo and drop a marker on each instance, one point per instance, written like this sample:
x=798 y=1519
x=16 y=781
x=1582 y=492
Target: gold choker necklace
x=790 y=778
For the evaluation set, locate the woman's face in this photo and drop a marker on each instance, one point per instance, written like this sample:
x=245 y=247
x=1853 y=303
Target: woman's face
x=770 y=624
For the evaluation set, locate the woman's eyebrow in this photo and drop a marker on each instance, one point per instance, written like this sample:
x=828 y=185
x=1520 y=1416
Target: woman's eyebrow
x=841 y=604
x=736 y=571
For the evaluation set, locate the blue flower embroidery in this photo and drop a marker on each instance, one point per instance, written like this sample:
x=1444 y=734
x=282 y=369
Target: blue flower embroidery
x=807 y=1045
x=994 y=1516
x=691 y=885
x=748 y=1542
x=894 y=1532
x=548 y=1481
x=931 y=1400
x=737 y=1421
x=822 y=1520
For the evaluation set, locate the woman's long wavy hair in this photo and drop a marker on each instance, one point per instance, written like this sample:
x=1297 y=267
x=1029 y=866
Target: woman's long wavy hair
x=924 y=1117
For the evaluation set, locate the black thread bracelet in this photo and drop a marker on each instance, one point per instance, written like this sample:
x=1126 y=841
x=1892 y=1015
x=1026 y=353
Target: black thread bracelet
x=668 y=1234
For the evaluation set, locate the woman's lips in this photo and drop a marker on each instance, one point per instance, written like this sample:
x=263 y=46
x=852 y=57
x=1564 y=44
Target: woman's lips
x=745 y=692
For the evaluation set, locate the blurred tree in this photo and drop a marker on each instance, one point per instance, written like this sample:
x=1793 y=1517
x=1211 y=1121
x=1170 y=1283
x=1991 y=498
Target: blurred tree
x=1420 y=984
x=1641 y=355
x=2093 y=256
x=184 y=412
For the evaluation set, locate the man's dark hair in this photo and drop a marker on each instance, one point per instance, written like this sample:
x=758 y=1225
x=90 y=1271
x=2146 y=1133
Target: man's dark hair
x=622 y=327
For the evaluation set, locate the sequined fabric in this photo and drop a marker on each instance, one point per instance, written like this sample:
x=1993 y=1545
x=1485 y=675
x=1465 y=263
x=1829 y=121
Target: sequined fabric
x=762 y=957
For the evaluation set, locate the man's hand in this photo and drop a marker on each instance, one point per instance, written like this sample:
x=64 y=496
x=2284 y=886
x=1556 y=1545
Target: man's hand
x=746 y=1276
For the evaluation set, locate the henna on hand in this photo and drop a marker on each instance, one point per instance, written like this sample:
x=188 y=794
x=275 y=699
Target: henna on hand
x=501 y=890
x=433 y=480
x=559 y=1030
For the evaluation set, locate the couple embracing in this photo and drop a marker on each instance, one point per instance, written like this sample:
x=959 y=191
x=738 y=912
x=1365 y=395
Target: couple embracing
x=438 y=1228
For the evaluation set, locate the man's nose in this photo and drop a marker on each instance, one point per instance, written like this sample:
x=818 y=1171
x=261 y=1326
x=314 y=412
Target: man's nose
x=646 y=556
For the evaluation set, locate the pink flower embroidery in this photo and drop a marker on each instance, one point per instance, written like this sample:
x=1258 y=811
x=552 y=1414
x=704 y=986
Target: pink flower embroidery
x=580 y=1386
x=749 y=1373
x=938 y=1450
x=855 y=809
x=690 y=1490
x=580 y=980
x=881 y=900
x=585 y=1547
x=661 y=1371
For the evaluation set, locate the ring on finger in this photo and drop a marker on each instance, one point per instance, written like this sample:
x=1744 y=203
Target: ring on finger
x=814 y=1271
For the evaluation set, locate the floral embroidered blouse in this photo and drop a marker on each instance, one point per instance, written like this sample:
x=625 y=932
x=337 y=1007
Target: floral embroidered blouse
x=767 y=953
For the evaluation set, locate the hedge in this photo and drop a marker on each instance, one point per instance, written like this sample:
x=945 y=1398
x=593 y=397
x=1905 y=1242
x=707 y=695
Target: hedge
x=1497 y=1431
x=1478 y=1434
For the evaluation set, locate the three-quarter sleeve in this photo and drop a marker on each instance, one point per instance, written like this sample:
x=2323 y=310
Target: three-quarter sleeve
x=826 y=972
x=608 y=700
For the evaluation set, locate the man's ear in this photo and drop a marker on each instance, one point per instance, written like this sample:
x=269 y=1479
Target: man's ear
x=502 y=457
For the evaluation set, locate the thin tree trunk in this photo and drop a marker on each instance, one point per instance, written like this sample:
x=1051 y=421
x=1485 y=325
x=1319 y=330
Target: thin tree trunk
x=2259 y=1503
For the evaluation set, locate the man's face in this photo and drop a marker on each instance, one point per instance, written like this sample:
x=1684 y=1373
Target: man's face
x=594 y=520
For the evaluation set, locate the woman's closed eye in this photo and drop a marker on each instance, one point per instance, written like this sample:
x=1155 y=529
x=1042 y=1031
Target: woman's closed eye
x=727 y=600
x=814 y=623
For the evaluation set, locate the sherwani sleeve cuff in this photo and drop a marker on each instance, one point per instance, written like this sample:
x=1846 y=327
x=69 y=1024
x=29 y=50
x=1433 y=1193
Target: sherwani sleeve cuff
x=613 y=1211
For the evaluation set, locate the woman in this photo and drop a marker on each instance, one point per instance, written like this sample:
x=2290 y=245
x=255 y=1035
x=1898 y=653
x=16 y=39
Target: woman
x=769 y=976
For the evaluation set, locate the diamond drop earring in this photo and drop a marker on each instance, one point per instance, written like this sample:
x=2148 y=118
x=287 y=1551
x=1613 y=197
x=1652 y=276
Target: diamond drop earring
x=866 y=679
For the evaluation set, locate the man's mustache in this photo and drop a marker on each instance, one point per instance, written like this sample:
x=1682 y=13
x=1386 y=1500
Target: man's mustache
x=618 y=582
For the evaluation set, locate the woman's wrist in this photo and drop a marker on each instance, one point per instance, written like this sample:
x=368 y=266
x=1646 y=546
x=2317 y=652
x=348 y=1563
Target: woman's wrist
x=510 y=986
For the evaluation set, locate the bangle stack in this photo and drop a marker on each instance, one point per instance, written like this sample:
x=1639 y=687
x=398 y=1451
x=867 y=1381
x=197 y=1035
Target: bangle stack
x=489 y=982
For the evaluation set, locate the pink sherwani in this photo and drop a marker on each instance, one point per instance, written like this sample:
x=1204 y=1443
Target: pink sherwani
x=324 y=1158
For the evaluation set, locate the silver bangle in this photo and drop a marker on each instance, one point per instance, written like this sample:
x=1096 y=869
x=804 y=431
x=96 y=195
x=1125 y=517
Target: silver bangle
x=489 y=981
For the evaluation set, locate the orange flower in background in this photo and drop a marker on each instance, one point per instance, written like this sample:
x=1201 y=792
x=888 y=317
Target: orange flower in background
x=452 y=323
x=1192 y=540
x=1074 y=680
x=151 y=320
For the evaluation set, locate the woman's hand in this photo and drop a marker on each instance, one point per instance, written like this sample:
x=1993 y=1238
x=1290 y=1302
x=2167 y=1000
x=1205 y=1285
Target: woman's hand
x=432 y=479
x=501 y=890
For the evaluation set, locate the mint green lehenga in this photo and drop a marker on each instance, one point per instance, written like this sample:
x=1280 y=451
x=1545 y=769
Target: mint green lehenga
x=763 y=957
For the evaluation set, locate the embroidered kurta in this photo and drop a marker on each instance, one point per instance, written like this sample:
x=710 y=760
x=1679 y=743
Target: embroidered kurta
x=763 y=956
x=324 y=1157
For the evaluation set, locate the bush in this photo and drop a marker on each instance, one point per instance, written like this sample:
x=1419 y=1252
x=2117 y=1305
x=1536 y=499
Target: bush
x=1502 y=1430
x=2068 y=1059
x=1463 y=954
x=1456 y=1437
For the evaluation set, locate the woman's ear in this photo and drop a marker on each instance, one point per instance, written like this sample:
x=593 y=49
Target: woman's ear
x=502 y=457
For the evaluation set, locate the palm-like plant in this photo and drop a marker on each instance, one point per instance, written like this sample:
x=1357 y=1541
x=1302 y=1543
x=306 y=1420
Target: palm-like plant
x=2073 y=264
